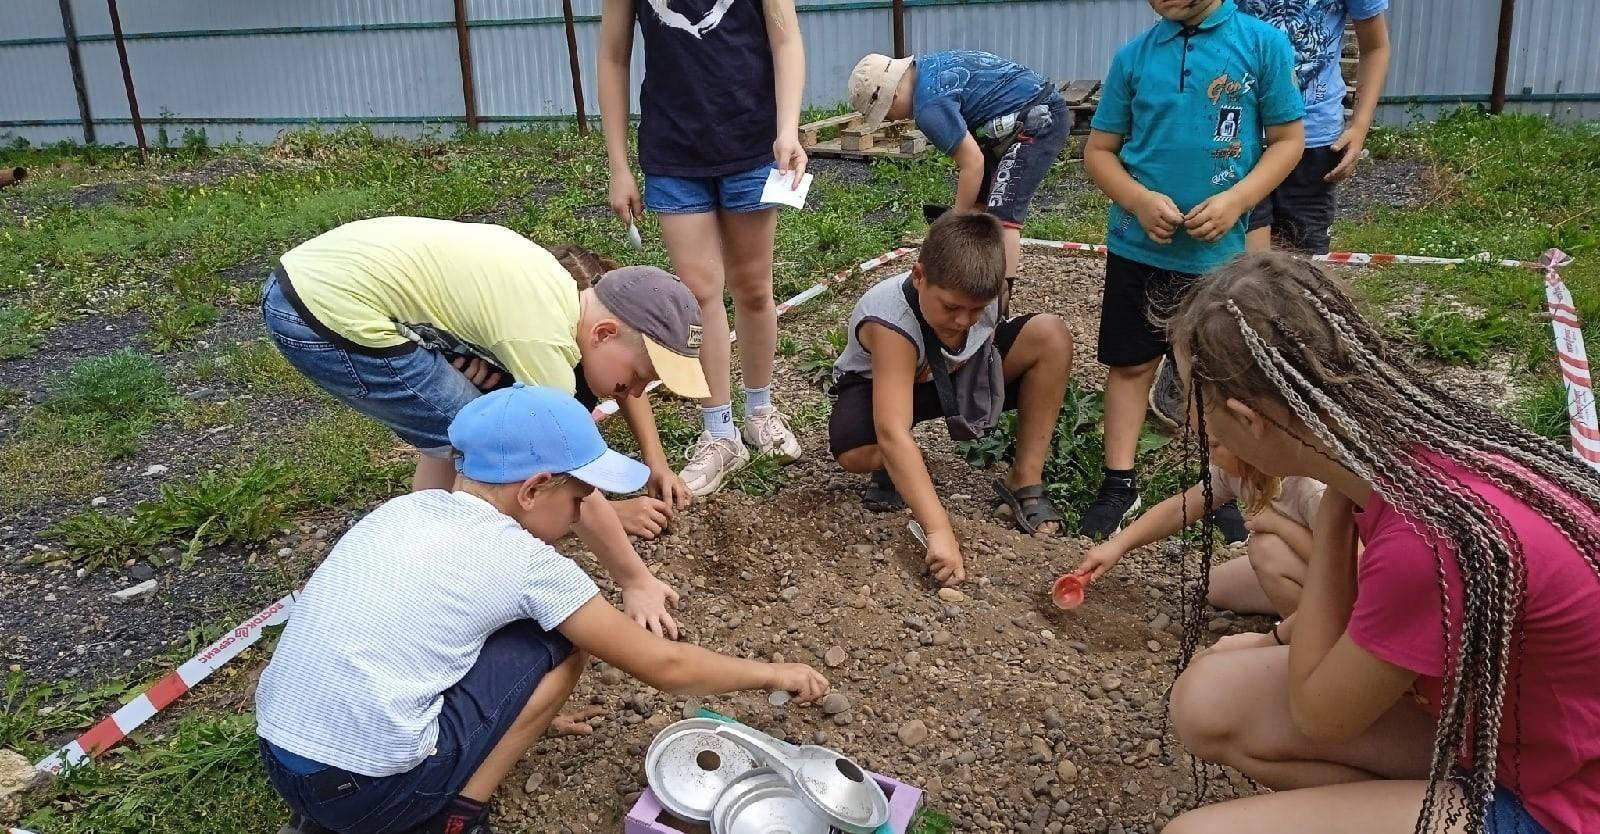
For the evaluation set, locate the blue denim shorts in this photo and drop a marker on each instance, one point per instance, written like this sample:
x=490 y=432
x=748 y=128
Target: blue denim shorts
x=415 y=393
x=736 y=193
x=1507 y=816
x=477 y=713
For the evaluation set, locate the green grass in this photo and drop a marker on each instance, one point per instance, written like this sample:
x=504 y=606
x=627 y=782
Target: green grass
x=254 y=366
x=930 y=821
x=817 y=358
x=1543 y=409
x=203 y=775
x=1449 y=335
x=17 y=335
x=176 y=322
x=761 y=478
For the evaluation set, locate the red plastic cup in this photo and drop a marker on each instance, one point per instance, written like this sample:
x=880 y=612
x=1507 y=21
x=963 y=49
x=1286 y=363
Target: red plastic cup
x=1067 y=592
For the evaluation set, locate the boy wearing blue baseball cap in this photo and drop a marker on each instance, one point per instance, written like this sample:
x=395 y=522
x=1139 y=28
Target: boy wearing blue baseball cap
x=436 y=643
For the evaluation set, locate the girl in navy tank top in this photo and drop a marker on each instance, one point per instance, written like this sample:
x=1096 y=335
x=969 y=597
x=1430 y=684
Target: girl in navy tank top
x=719 y=109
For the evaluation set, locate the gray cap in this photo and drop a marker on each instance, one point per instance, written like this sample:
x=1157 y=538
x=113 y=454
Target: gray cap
x=663 y=310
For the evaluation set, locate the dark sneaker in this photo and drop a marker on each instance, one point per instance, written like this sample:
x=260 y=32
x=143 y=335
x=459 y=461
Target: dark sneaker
x=1167 y=401
x=933 y=211
x=1231 y=522
x=880 y=495
x=1118 y=500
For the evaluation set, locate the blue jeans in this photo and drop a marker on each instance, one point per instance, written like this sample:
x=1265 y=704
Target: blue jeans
x=1507 y=816
x=476 y=714
x=735 y=193
x=415 y=392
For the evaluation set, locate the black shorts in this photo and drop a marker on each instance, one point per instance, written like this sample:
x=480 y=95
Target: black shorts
x=1135 y=296
x=850 y=424
x=1012 y=178
x=1300 y=211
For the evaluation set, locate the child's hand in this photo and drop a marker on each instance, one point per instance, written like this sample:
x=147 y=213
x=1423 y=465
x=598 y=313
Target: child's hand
x=803 y=682
x=1212 y=219
x=624 y=197
x=1100 y=558
x=791 y=155
x=1266 y=521
x=1159 y=216
x=944 y=558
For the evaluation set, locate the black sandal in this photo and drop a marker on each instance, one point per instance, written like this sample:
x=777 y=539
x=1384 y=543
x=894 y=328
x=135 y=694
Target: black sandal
x=881 y=496
x=1030 y=507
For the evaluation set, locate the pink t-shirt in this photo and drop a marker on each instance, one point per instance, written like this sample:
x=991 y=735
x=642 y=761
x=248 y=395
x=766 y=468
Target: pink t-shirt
x=1397 y=619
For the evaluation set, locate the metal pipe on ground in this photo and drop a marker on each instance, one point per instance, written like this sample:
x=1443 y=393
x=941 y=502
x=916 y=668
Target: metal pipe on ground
x=469 y=90
x=1502 y=56
x=69 y=30
x=127 y=80
x=577 y=73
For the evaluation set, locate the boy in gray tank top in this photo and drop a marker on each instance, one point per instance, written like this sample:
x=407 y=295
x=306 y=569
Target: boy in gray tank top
x=884 y=381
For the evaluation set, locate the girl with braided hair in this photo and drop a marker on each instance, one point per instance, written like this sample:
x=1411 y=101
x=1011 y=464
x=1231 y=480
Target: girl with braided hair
x=1450 y=679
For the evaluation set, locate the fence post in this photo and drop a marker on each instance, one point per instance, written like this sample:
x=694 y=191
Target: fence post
x=1502 y=57
x=469 y=90
x=899 y=28
x=127 y=80
x=69 y=30
x=577 y=72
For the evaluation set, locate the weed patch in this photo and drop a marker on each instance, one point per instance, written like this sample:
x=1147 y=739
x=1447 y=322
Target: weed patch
x=17 y=335
x=816 y=361
x=761 y=478
x=1449 y=335
x=1543 y=410
x=176 y=322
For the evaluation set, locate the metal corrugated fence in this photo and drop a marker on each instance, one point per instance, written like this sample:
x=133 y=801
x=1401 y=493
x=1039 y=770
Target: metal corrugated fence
x=249 y=70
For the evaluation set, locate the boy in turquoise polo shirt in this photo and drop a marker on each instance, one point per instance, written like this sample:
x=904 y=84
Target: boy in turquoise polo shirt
x=1177 y=144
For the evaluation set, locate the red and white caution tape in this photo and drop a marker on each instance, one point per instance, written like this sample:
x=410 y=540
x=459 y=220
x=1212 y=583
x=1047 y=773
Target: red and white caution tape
x=1572 y=358
x=609 y=407
x=1348 y=258
x=102 y=736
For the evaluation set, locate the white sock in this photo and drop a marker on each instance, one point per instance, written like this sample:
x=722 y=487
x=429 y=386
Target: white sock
x=755 y=398
x=719 y=421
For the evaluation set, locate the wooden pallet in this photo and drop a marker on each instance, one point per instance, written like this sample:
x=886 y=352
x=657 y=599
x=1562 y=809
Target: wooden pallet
x=891 y=140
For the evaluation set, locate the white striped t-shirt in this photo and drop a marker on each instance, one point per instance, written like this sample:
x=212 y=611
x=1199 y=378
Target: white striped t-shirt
x=396 y=615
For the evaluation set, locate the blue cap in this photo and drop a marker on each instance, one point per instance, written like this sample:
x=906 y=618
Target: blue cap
x=514 y=433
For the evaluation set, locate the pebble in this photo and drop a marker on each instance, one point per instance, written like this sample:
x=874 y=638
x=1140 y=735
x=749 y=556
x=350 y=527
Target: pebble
x=790 y=593
x=843 y=719
x=1078 y=646
x=1067 y=771
x=49 y=597
x=913 y=733
x=835 y=703
x=942 y=638
x=952 y=595
x=1111 y=683
x=779 y=698
x=835 y=657
x=98 y=501
x=136 y=592
x=1161 y=622
x=1219 y=625
x=155 y=469
x=1153 y=645
x=535 y=782
x=141 y=572
x=285 y=552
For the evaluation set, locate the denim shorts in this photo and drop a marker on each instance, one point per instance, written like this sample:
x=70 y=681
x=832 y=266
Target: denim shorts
x=476 y=714
x=1013 y=176
x=416 y=393
x=1507 y=816
x=735 y=193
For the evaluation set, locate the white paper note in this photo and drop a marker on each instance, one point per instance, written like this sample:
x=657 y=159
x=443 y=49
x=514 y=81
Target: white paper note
x=778 y=189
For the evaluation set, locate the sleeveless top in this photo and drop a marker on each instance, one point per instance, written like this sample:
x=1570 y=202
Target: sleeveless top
x=885 y=304
x=707 y=103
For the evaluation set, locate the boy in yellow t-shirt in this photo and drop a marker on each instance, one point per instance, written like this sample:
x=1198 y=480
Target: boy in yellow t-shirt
x=407 y=319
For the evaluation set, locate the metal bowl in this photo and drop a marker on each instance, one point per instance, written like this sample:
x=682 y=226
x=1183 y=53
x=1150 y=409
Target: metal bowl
x=688 y=766
x=761 y=802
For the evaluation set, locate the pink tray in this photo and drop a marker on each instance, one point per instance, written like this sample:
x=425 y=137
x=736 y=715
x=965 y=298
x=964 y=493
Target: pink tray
x=648 y=817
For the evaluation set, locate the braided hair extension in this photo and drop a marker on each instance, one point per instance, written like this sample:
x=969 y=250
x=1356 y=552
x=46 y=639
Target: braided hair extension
x=1271 y=328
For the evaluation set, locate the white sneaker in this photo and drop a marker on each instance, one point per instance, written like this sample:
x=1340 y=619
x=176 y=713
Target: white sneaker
x=711 y=461
x=769 y=433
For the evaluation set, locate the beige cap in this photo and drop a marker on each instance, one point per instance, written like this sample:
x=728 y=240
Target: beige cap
x=873 y=83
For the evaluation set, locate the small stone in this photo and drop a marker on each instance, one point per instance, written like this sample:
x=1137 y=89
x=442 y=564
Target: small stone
x=1160 y=622
x=819 y=737
x=913 y=733
x=1219 y=625
x=1067 y=771
x=835 y=703
x=98 y=501
x=952 y=595
x=835 y=657
x=141 y=572
x=155 y=469
x=49 y=597
x=1153 y=645
x=790 y=593
x=1078 y=646
x=535 y=782
x=779 y=698
x=1053 y=720
x=285 y=552
x=843 y=719
x=942 y=638
x=135 y=593
x=1111 y=683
